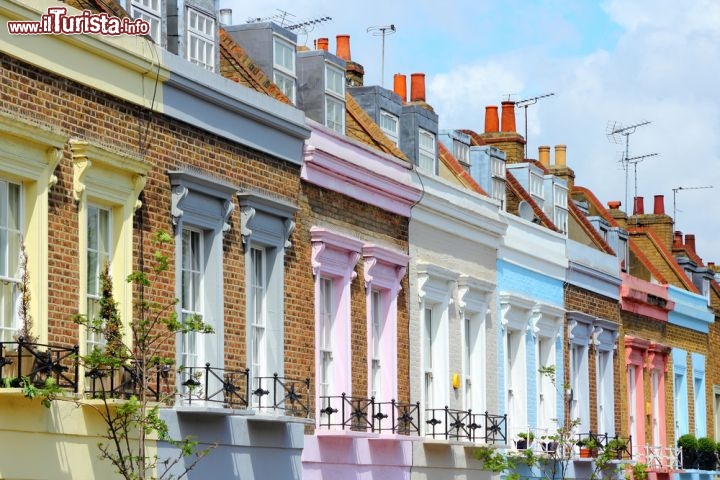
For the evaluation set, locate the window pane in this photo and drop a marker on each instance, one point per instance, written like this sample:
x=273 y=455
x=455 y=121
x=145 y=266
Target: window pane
x=92 y=269
x=335 y=80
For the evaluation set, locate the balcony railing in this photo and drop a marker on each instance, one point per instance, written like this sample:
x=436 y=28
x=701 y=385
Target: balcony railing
x=464 y=425
x=231 y=389
x=621 y=448
x=39 y=362
x=282 y=395
x=124 y=381
x=228 y=388
x=361 y=414
x=659 y=457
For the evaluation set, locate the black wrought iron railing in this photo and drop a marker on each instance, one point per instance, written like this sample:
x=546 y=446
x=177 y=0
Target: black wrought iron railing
x=124 y=381
x=38 y=362
x=230 y=388
x=362 y=414
x=464 y=425
x=282 y=395
x=620 y=447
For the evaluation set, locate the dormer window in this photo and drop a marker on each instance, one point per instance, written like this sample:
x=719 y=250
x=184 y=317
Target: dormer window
x=149 y=11
x=335 y=98
x=461 y=151
x=201 y=39
x=536 y=185
x=426 y=156
x=284 y=67
x=560 y=210
x=389 y=124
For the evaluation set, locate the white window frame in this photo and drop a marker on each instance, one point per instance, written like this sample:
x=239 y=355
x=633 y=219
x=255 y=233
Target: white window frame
x=10 y=261
x=144 y=10
x=376 y=334
x=202 y=51
x=461 y=151
x=327 y=315
x=94 y=292
x=536 y=184
x=427 y=154
x=258 y=313
x=335 y=114
x=283 y=75
x=392 y=134
x=191 y=347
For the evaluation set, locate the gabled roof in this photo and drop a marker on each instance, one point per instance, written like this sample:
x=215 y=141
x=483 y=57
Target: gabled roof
x=654 y=250
x=516 y=189
x=598 y=207
x=452 y=163
x=588 y=228
x=360 y=126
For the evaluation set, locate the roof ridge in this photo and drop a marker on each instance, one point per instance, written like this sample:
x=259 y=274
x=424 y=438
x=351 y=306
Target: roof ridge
x=589 y=229
x=666 y=255
x=521 y=192
x=460 y=173
x=353 y=108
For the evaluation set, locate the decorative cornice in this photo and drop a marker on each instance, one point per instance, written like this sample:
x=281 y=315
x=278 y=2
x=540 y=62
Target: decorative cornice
x=178 y=194
x=246 y=214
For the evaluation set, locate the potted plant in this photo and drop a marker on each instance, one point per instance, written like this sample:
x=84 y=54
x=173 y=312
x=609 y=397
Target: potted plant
x=689 y=445
x=549 y=443
x=588 y=447
x=639 y=471
x=706 y=457
x=525 y=440
x=616 y=447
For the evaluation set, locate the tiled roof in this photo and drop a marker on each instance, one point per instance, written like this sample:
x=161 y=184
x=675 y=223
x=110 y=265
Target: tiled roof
x=517 y=190
x=460 y=173
x=111 y=7
x=600 y=209
x=589 y=229
x=360 y=126
x=656 y=252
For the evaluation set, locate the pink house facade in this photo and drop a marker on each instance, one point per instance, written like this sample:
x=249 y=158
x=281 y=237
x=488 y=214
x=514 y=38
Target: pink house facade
x=363 y=429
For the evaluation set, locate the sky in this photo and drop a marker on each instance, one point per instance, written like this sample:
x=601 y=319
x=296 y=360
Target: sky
x=612 y=63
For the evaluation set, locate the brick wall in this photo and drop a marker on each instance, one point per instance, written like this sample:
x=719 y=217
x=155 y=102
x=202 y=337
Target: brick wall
x=332 y=210
x=57 y=104
x=591 y=303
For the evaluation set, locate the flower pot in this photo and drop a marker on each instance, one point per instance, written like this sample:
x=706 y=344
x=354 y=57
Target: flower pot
x=584 y=452
x=521 y=444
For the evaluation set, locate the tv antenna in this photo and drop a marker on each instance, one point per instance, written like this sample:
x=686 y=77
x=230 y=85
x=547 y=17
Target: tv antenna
x=281 y=16
x=677 y=189
x=526 y=103
x=634 y=161
x=382 y=31
x=615 y=132
x=304 y=27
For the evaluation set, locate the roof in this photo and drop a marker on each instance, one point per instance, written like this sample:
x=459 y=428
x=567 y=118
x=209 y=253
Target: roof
x=111 y=7
x=598 y=207
x=452 y=163
x=360 y=126
x=654 y=250
x=588 y=228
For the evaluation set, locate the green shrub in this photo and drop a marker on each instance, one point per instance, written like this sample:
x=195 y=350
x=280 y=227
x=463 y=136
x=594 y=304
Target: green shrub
x=706 y=454
x=689 y=445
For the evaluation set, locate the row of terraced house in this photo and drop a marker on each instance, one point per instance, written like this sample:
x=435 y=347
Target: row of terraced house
x=384 y=294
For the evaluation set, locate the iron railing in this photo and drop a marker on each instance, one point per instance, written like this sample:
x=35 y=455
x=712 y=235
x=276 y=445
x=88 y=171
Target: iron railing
x=659 y=457
x=620 y=447
x=229 y=388
x=124 y=381
x=285 y=395
x=39 y=362
x=464 y=425
x=362 y=414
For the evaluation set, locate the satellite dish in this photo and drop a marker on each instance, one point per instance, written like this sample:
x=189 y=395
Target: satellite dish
x=525 y=211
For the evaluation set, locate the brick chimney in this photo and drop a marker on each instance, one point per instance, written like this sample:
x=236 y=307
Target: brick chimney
x=560 y=168
x=638 y=206
x=400 y=86
x=677 y=240
x=544 y=155
x=507 y=139
x=492 y=123
x=690 y=242
x=658 y=221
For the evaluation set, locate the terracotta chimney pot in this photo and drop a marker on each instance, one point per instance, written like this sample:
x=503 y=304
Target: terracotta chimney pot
x=492 y=123
x=639 y=206
x=659 y=205
x=343 y=47
x=677 y=239
x=690 y=242
x=400 y=86
x=322 y=43
x=560 y=155
x=417 y=87
x=614 y=204
x=508 y=117
x=544 y=155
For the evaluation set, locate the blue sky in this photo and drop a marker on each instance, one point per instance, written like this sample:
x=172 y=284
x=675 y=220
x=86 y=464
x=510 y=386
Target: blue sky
x=620 y=61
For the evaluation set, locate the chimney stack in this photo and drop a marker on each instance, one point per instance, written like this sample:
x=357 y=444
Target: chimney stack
x=343 y=47
x=225 y=16
x=492 y=124
x=560 y=155
x=417 y=87
x=544 y=155
x=322 y=43
x=400 y=86
x=659 y=205
x=508 y=117
x=639 y=206
x=690 y=242
x=677 y=240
